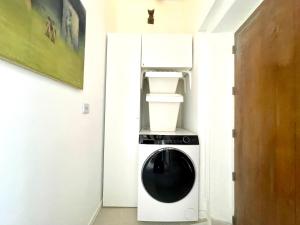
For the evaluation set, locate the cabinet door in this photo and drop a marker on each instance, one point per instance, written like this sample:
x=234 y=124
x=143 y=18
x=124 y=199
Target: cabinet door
x=122 y=120
x=167 y=51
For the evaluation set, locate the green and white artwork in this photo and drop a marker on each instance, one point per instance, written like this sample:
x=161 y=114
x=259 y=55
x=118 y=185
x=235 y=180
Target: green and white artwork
x=46 y=36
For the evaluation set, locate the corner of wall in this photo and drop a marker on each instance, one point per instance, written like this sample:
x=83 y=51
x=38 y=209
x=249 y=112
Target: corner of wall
x=95 y=214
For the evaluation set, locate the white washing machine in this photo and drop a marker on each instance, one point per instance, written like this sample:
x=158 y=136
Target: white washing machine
x=168 y=176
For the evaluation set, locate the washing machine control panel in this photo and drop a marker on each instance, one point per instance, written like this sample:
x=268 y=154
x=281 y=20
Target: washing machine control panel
x=168 y=139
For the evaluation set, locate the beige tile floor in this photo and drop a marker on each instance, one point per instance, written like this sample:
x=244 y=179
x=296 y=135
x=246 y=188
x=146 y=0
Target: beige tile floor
x=127 y=216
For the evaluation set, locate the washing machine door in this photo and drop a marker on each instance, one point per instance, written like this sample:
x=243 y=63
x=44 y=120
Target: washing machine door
x=168 y=175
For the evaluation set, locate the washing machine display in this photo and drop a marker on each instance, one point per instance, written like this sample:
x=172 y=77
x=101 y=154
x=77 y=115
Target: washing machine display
x=168 y=175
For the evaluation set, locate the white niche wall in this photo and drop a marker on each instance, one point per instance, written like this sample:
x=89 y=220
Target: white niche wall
x=209 y=111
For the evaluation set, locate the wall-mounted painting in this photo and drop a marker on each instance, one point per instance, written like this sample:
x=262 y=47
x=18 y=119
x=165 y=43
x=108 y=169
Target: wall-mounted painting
x=46 y=36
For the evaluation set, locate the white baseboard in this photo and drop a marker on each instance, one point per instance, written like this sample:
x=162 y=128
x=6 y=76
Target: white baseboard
x=203 y=215
x=218 y=222
x=202 y=222
x=93 y=219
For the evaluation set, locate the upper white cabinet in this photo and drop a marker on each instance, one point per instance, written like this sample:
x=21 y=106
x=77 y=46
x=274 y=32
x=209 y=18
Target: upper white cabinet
x=167 y=51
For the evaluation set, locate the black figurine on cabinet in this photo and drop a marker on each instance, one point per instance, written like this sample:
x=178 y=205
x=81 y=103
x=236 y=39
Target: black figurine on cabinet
x=151 y=16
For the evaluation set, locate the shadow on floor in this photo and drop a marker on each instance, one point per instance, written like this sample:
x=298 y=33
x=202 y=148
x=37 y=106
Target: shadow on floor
x=127 y=216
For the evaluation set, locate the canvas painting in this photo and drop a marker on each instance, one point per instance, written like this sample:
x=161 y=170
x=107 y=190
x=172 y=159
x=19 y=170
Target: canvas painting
x=46 y=36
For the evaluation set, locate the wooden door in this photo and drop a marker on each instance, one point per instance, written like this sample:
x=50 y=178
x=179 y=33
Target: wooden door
x=266 y=105
x=297 y=74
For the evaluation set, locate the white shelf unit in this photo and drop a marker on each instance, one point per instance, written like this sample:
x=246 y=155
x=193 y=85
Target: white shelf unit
x=126 y=108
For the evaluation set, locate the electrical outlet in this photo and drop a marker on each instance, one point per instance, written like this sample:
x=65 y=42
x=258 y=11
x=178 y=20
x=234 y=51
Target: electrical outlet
x=85 y=108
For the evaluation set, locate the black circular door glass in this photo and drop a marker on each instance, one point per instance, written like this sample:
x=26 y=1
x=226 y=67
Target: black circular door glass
x=168 y=175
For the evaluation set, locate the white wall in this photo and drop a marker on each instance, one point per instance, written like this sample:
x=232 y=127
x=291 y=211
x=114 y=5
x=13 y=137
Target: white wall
x=209 y=111
x=218 y=9
x=51 y=154
x=236 y=15
x=214 y=76
x=171 y=16
x=227 y=15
